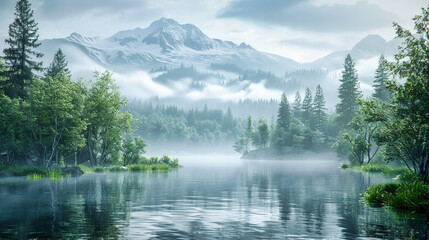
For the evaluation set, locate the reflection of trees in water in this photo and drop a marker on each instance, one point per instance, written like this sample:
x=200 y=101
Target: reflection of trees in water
x=96 y=207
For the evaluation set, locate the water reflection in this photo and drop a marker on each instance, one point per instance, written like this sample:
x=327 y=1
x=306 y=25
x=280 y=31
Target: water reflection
x=228 y=198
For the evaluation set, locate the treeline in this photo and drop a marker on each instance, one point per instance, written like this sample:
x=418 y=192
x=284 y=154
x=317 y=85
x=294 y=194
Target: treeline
x=160 y=123
x=291 y=80
x=393 y=125
x=50 y=120
x=304 y=125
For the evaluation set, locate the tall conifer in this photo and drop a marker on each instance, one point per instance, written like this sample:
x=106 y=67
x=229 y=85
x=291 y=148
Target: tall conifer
x=22 y=41
x=381 y=77
x=319 y=114
x=348 y=93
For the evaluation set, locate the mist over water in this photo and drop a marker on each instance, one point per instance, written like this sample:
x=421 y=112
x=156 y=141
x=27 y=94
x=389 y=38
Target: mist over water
x=213 y=196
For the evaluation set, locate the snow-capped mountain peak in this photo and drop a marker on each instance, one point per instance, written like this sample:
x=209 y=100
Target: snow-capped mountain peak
x=77 y=38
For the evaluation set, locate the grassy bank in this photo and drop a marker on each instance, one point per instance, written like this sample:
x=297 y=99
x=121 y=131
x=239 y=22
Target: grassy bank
x=34 y=172
x=130 y=168
x=408 y=194
x=390 y=171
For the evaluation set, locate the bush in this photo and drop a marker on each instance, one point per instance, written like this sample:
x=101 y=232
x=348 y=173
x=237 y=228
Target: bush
x=99 y=169
x=144 y=168
x=344 y=165
x=412 y=196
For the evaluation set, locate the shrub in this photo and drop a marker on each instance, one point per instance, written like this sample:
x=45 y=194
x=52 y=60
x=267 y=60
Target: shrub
x=99 y=169
x=412 y=196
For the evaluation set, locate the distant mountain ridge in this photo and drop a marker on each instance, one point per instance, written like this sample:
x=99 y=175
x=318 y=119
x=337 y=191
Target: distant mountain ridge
x=165 y=42
x=179 y=60
x=370 y=46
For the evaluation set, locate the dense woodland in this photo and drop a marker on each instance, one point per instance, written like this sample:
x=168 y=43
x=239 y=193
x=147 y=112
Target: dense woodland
x=46 y=119
x=160 y=123
x=392 y=125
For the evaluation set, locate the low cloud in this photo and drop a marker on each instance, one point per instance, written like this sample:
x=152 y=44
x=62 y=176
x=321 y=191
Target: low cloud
x=253 y=91
x=140 y=85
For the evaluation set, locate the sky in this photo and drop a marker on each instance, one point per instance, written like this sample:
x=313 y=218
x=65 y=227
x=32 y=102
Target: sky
x=303 y=30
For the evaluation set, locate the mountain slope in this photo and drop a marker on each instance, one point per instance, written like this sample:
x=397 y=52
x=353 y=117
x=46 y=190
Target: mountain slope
x=369 y=47
x=167 y=43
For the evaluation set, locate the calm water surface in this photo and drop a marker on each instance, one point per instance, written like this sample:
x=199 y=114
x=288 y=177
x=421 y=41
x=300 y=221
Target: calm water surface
x=211 y=197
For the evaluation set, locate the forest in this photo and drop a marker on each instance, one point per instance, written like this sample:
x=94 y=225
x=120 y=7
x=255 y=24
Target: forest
x=49 y=121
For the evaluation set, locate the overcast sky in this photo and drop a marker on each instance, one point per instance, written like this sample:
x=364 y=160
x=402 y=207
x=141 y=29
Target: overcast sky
x=303 y=30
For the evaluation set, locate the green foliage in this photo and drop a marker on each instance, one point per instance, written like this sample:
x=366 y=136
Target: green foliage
x=344 y=166
x=348 y=93
x=405 y=122
x=297 y=106
x=55 y=116
x=105 y=122
x=412 y=196
x=307 y=108
x=358 y=142
x=284 y=115
x=144 y=168
x=13 y=135
x=169 y=123
x=22 y=44
x=99 y=169
x=59 y=64
x=319 y=110
x=241 y=144
x=132 y=150
x=261 y=137
x=278 y=137
x=381 y=92
x=85 y=168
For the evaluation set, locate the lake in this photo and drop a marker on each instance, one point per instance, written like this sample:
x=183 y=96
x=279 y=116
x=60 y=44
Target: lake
x=211 y=197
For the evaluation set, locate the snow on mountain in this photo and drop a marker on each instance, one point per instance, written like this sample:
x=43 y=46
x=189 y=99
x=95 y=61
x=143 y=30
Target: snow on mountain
x=165 y=42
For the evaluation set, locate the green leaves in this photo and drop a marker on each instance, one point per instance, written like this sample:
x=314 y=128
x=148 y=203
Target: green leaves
x=348 y=92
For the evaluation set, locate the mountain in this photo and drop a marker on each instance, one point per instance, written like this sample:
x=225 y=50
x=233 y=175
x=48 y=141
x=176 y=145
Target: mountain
x=369 y=47
x=165 y=42
x=179 y=61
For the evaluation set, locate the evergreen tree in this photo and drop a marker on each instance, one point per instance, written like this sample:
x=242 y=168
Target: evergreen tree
x=297 y=105
x=307 y=108
x=58 y=64
x=262 y=136
x=250 y=131
x=319 y=109
x=283 y=116
x=348 y=92
x=381 y=77
x=22 y=41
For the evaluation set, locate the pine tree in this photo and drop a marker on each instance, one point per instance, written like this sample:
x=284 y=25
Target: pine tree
x=307 y=108
x=348 y=92
x=297 y=105
x=249 y=128
x=319 y=109
x=22 y=41
x=283 y=116
x=381 y=77
x=59 y=63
